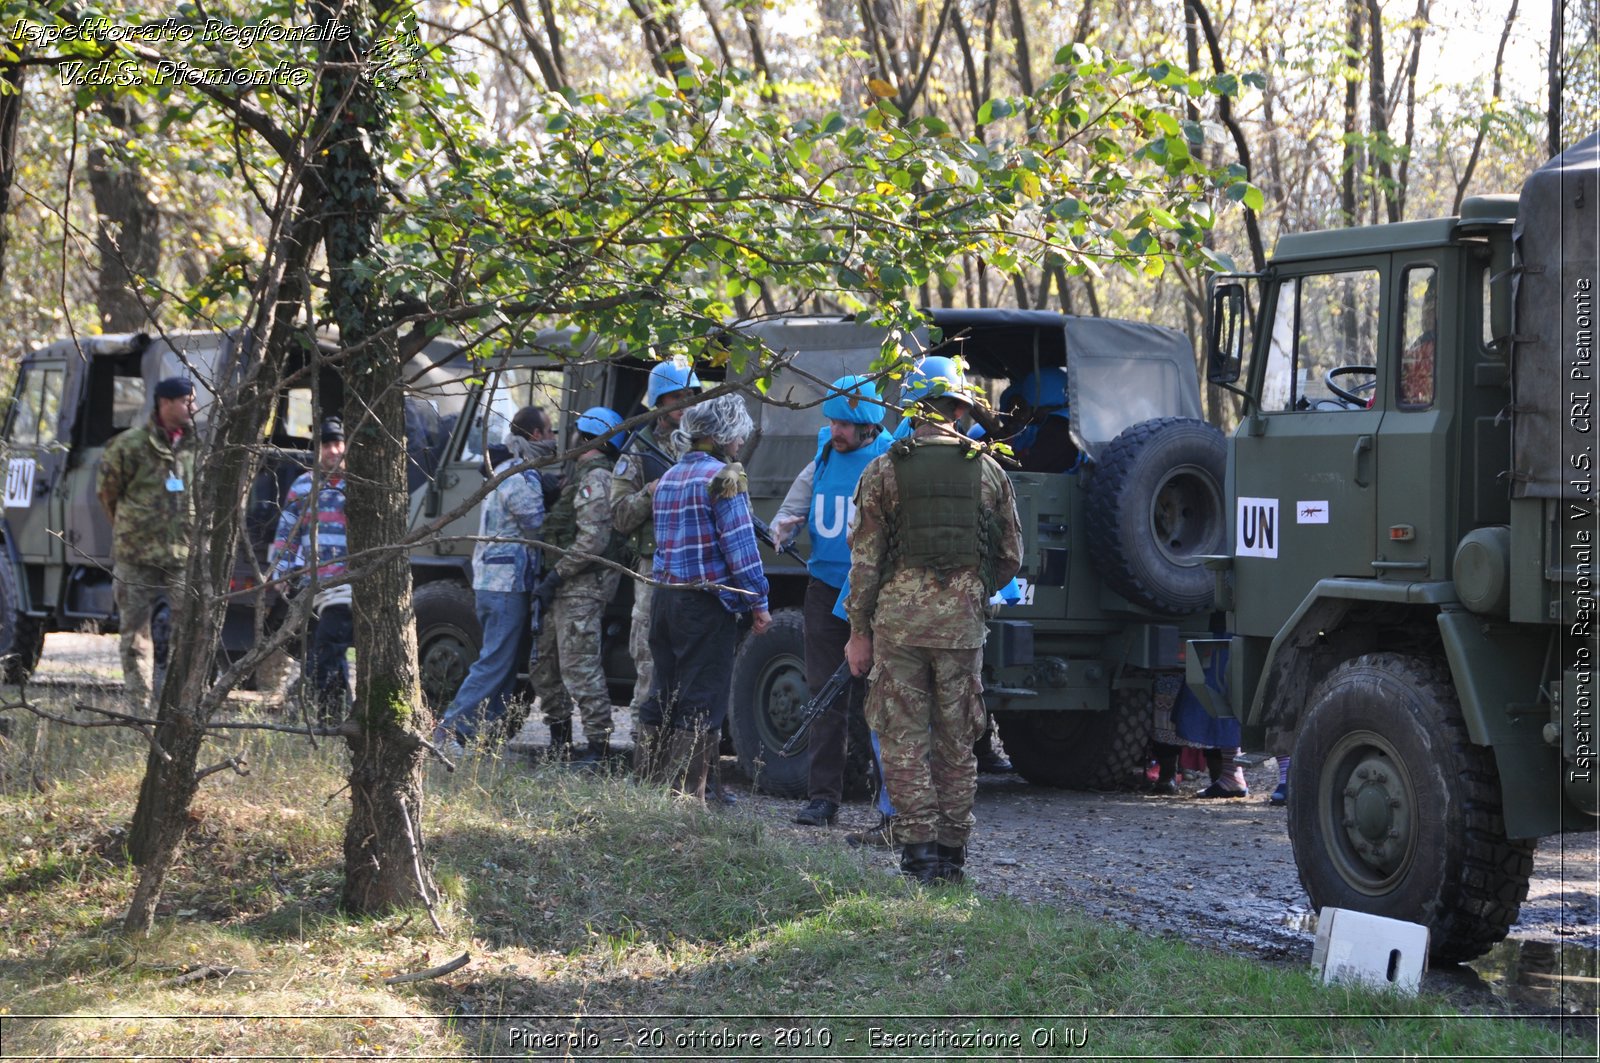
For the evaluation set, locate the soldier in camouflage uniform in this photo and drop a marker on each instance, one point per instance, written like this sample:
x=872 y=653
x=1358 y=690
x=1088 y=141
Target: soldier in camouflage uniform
x=936 y=535
x=574 y=592
x=633 y=487
x=146 y=484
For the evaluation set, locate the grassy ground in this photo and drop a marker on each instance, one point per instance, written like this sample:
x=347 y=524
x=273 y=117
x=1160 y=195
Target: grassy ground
x=602 y=919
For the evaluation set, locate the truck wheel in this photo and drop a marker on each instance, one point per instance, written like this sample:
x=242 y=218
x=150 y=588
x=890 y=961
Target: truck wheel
x=768 y=692
x=448 y=639
x=1080 y=750
x=1393 y=811
x=21 y=636
x=1155 y=501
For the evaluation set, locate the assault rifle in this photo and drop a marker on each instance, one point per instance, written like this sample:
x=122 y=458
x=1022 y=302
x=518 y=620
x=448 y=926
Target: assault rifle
x=831 y=691
x=763 y=530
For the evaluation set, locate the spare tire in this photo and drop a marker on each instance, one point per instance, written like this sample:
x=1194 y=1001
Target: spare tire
x=1155 y=502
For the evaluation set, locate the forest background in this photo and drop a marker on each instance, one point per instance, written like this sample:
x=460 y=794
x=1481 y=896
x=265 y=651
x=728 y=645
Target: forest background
x=121 y=208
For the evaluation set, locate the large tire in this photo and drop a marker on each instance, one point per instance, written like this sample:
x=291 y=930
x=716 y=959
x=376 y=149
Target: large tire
x=21 y=636
x=1393 y=811
x=1080 y=750
x=448 y=639
x=767 y=696
x=1155 y=501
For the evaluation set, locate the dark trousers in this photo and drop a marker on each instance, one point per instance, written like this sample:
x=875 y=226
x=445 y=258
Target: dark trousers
x=692 y=639
x=826 y=635
x=330 y=674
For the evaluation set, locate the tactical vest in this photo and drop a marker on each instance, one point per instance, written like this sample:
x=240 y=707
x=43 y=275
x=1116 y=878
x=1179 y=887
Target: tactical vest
x=938 y=523
x=561 y=523
x=833 y=506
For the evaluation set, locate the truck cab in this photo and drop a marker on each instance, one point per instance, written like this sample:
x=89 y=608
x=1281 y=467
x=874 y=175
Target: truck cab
x=1404 y=593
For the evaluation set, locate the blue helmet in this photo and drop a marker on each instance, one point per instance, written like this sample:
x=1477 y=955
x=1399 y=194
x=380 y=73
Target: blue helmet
x=597 y=421
x=935 y=376
x=1047 y=388
x=854 y=399
x=674 y=374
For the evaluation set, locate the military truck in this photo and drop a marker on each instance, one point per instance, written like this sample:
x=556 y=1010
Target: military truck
x=1108 y=582
x=72 y=396
x=1410 y=587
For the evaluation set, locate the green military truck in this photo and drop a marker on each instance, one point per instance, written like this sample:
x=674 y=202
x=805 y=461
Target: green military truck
x=72 y=396
x=1410 y=591
x=1109 y=584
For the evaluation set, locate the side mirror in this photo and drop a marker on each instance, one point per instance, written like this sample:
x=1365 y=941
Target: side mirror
x=1227 y=333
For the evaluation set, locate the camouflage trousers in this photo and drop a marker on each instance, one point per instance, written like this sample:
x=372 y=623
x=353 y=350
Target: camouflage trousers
x=644 y=662
x=139 y=589
x=569 y=668
x=926 y=704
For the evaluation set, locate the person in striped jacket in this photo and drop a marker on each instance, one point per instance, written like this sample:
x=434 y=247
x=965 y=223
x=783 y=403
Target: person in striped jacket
x=313 y=523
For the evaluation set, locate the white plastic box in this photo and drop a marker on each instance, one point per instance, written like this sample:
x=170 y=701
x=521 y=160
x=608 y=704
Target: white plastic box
x=1370 y=949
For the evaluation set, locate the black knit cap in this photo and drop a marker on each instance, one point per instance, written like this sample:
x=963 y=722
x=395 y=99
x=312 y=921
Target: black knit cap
x=332 y=431
x=175 y=387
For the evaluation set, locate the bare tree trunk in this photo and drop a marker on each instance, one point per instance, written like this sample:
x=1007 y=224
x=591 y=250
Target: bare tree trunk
x=1378 y=107
x=546 y=51
x=129 y=232
x=1354 y=164
x=1483 y=121
x=10 y=119
x=1557 y=78
x=1241 y=145
x=1413 y=63
x=383 y=867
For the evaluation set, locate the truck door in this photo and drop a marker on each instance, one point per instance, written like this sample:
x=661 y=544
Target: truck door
x=1305 y=467
x=479 y=444
x=1417 y=457
x=35 y=459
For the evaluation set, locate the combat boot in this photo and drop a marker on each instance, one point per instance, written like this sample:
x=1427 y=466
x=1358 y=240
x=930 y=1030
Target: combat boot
x=920 y=861
x=560 y=743
x=952 y=858
x=594 y=757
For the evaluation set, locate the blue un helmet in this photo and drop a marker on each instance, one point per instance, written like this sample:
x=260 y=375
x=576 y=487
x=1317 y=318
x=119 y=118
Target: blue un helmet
x=854 y=399
x=936 y=376
x=596 y=421
x=674 y=374
x=1047 y=390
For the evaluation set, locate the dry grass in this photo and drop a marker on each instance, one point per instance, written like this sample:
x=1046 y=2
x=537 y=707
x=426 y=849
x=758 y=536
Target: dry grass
x=585 y=904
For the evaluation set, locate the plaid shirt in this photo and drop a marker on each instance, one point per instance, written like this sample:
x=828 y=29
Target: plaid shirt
x=698 y=540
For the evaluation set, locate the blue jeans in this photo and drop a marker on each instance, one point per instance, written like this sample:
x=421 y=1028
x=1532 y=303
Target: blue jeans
x=503 y=616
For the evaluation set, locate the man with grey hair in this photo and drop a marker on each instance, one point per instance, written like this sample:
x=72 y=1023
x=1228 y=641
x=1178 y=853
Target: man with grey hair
x=709 y=567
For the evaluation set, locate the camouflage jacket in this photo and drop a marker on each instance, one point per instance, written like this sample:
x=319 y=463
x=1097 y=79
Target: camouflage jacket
x=591 y=499
x=631 y=504
x=151 y=523
x=914 y=606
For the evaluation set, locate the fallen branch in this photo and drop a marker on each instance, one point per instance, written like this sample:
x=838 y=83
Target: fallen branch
x=237 y=763
x=432 y=972
x=200 y=974
x=416 y=869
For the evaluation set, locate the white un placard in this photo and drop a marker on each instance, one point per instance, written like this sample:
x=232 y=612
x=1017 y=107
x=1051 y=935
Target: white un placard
x=1257 y=522
x=19 y=483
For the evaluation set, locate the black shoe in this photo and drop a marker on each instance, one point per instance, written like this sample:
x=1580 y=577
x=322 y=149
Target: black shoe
x=819 y=812
x=878 y=836
x=992 y=763
x=952 y=859
x=560 y=743
x=1216 y=790
x=920 y=861
x=594 y=757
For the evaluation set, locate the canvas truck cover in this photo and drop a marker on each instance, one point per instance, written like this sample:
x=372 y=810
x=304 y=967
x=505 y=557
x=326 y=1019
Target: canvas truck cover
x=1553 y=367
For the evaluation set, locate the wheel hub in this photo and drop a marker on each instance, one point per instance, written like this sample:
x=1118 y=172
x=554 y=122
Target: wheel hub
x=786 y=696
x=1377 y=814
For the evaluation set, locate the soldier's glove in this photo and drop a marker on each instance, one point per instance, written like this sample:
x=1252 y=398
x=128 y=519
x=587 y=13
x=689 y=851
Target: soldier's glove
x=545 y=591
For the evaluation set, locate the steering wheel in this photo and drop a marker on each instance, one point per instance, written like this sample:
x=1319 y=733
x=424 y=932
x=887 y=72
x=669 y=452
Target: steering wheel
x=1352 y=397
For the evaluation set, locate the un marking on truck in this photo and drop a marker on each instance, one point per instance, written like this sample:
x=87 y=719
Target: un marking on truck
x=1256 y=521
x=19 y=483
